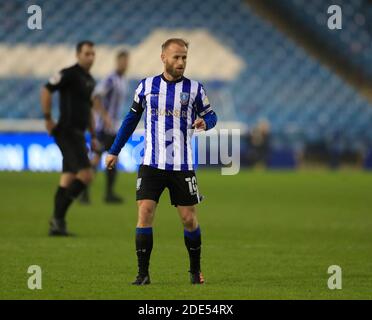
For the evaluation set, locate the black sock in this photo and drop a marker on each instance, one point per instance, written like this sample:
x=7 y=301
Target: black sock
x=76 y=187
x=65 y=196
x=59 y=202
x=143 y=248
x=110 y=180
x=193 y=245
x=85 y=194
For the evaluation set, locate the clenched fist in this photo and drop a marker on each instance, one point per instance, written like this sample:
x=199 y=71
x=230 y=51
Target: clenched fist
x=199 y=124
x=111 y=161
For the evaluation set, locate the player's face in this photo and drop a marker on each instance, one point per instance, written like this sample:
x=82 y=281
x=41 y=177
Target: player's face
x=86 y=56
x=122 y=64
x=174 y=59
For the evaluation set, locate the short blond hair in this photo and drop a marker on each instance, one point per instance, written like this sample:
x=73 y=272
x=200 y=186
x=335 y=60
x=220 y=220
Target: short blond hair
x=178 y=41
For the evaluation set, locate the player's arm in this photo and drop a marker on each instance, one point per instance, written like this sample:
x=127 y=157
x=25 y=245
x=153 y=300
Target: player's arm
x=46 y=106
x=99 y=108
x=56 y=82
x=92 y=131
x=127 y=128
x=100 y=91
x=207 y=117
x=206 y=122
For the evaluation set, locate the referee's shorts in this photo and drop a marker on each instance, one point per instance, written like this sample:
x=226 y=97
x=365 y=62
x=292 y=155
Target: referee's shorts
x=73 y=147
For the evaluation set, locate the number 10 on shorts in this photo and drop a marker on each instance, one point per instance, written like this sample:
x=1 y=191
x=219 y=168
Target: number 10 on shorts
x=193 y=187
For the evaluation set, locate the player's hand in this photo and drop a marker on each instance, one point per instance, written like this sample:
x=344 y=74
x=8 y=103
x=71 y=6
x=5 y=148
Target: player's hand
x=50 y=125
x=111 y=161
x=199 y=124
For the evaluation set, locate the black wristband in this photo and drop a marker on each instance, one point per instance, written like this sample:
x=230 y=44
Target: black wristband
x=47 y=116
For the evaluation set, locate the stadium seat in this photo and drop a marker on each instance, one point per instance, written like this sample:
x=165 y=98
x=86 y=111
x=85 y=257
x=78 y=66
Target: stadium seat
x=302 y=98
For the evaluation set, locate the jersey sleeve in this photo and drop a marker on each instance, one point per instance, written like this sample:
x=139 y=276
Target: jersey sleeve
x=58 y=81
x=201 y=103
x=138 y=100
x=103 y=87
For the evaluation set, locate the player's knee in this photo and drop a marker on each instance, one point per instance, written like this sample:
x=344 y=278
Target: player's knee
x=190 y=223
x=146 y=214
x=86 y=176
x=66 y=179
x=87 y=179
x=189 y=219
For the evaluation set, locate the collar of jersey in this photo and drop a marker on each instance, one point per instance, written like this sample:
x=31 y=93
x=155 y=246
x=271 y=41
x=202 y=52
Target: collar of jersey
x=81 y=68
x=169 y=81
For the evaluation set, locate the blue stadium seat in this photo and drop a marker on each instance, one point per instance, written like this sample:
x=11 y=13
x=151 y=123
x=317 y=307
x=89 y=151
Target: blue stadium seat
x=303 y=100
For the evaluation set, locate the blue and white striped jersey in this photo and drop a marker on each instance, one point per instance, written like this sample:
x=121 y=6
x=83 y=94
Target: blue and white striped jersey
x=170 y=108
x=113 y=90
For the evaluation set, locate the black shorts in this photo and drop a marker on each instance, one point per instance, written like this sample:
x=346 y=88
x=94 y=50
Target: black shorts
x=74 y=150
x=182 y=185
x=106 y=140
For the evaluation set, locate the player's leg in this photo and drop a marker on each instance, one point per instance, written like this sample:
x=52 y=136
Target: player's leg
x=78 y=160
x=192 y=237
x=85 y=195
x=150 y=185
x=80 y=184
x=144 y=239
x=184 y=195
x=64 y=182
x=77 y=174
x=61 y=201
x=71 y=186
x=58 y=224
x=146 y=213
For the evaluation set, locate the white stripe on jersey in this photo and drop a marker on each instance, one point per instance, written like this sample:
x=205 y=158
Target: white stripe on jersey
x=113 y=91
x=137 y=92
x=177 y=149
x=148 y=143
x=194 y=88
x=161 y=125
x=188 y=95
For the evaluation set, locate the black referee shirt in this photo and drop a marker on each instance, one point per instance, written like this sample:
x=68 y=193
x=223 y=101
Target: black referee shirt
x=75 y=86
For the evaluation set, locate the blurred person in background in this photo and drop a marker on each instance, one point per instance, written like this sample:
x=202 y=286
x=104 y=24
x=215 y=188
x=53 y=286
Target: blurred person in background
x=259 y=142
x=108 y=98
x=75 y=85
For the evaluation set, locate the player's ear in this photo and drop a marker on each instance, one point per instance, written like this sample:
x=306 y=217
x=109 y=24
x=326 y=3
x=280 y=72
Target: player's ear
x=162 y=57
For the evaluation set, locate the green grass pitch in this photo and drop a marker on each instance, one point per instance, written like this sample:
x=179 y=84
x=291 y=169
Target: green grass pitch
x=266 y=235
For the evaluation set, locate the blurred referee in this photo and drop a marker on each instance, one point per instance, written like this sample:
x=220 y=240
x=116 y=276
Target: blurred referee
x=75 y=85
x=108 y=98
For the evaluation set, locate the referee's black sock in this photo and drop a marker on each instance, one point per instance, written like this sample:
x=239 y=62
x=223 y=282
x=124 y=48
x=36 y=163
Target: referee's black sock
x=65 y=196
x=193 y=245
x=75 y=188
x=59 y=200
x=144 y=244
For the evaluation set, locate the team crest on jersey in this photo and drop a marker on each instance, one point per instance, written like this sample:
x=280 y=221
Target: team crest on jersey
x=184 y=96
